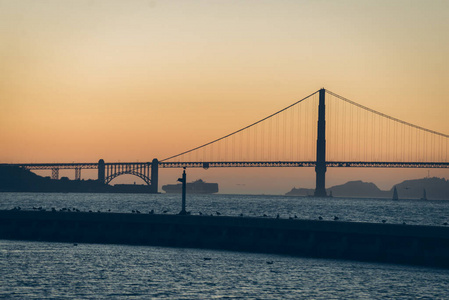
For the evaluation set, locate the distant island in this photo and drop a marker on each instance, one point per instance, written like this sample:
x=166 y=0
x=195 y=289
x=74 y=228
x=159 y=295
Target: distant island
x=436 y=189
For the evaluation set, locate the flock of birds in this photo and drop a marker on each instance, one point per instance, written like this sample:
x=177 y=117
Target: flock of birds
x=151 y=212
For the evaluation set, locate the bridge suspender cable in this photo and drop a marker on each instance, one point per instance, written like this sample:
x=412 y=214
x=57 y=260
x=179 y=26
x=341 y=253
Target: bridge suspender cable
x=199 y=147
x=386 y=116
x=337 y=129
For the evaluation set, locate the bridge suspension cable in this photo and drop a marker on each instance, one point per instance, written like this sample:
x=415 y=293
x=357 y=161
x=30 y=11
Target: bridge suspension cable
x=384 y=115
x=357 y=133
x=256 y=139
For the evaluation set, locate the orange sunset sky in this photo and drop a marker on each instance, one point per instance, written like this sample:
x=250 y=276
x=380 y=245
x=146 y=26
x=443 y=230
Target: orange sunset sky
x=137 y=80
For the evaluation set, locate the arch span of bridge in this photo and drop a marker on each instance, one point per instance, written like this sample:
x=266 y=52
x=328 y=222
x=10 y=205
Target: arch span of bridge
x=147 y=171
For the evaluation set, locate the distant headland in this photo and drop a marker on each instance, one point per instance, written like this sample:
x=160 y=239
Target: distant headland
x=16 y=179
x=435 y=189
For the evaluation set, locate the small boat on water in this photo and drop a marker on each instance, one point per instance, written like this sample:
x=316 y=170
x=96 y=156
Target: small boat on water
x=395 y=194
x=424 y=195
x=196 y=187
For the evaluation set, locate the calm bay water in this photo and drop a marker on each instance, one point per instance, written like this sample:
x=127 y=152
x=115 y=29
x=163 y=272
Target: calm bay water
x=415 y=212
x=37 y=270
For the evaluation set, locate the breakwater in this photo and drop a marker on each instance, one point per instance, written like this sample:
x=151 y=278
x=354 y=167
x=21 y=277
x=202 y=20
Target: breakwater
x=408 y=244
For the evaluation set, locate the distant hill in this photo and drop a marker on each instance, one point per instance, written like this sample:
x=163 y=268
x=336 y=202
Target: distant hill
x=15 y=179
x=359 y=189
x=436 y=189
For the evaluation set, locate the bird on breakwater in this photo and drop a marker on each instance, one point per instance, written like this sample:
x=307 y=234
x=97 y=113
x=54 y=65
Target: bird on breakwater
x=384 y=221
x=218 y=213
x=296 y=217
x=241 y=215
x=165 y=211
x=277 y=216
x=264 y=215
x=200 y=213
x=320 y=218
x=445 y=223
x=336 y=218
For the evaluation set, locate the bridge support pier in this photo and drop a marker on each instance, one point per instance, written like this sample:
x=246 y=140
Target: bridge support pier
x=77 y=173
x=320 y=168
x=55 y=173
x=101 y=171
x=154 y=175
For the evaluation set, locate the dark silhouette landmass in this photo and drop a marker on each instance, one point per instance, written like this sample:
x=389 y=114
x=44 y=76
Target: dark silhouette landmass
x=16 y=179
x=358 y=189
x=436 y=189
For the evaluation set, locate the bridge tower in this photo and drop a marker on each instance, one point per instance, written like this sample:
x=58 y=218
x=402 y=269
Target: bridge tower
x=320 y=167
x=101 y=171
x=154 y=175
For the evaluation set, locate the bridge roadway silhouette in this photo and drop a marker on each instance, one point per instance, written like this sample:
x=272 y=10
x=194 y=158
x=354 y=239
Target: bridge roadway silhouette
x=149 y=171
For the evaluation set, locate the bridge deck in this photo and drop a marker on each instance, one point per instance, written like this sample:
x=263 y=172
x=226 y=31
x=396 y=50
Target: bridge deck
x=238 y=164
x=347 y=164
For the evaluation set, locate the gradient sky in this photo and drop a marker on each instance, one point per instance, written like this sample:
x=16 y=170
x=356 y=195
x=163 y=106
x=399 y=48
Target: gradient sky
x=135 y=80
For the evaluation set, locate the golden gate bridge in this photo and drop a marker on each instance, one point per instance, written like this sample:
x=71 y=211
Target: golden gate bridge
x=321 y=130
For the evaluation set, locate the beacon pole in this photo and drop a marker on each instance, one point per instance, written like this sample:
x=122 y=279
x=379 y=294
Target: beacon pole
x=184 y=181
